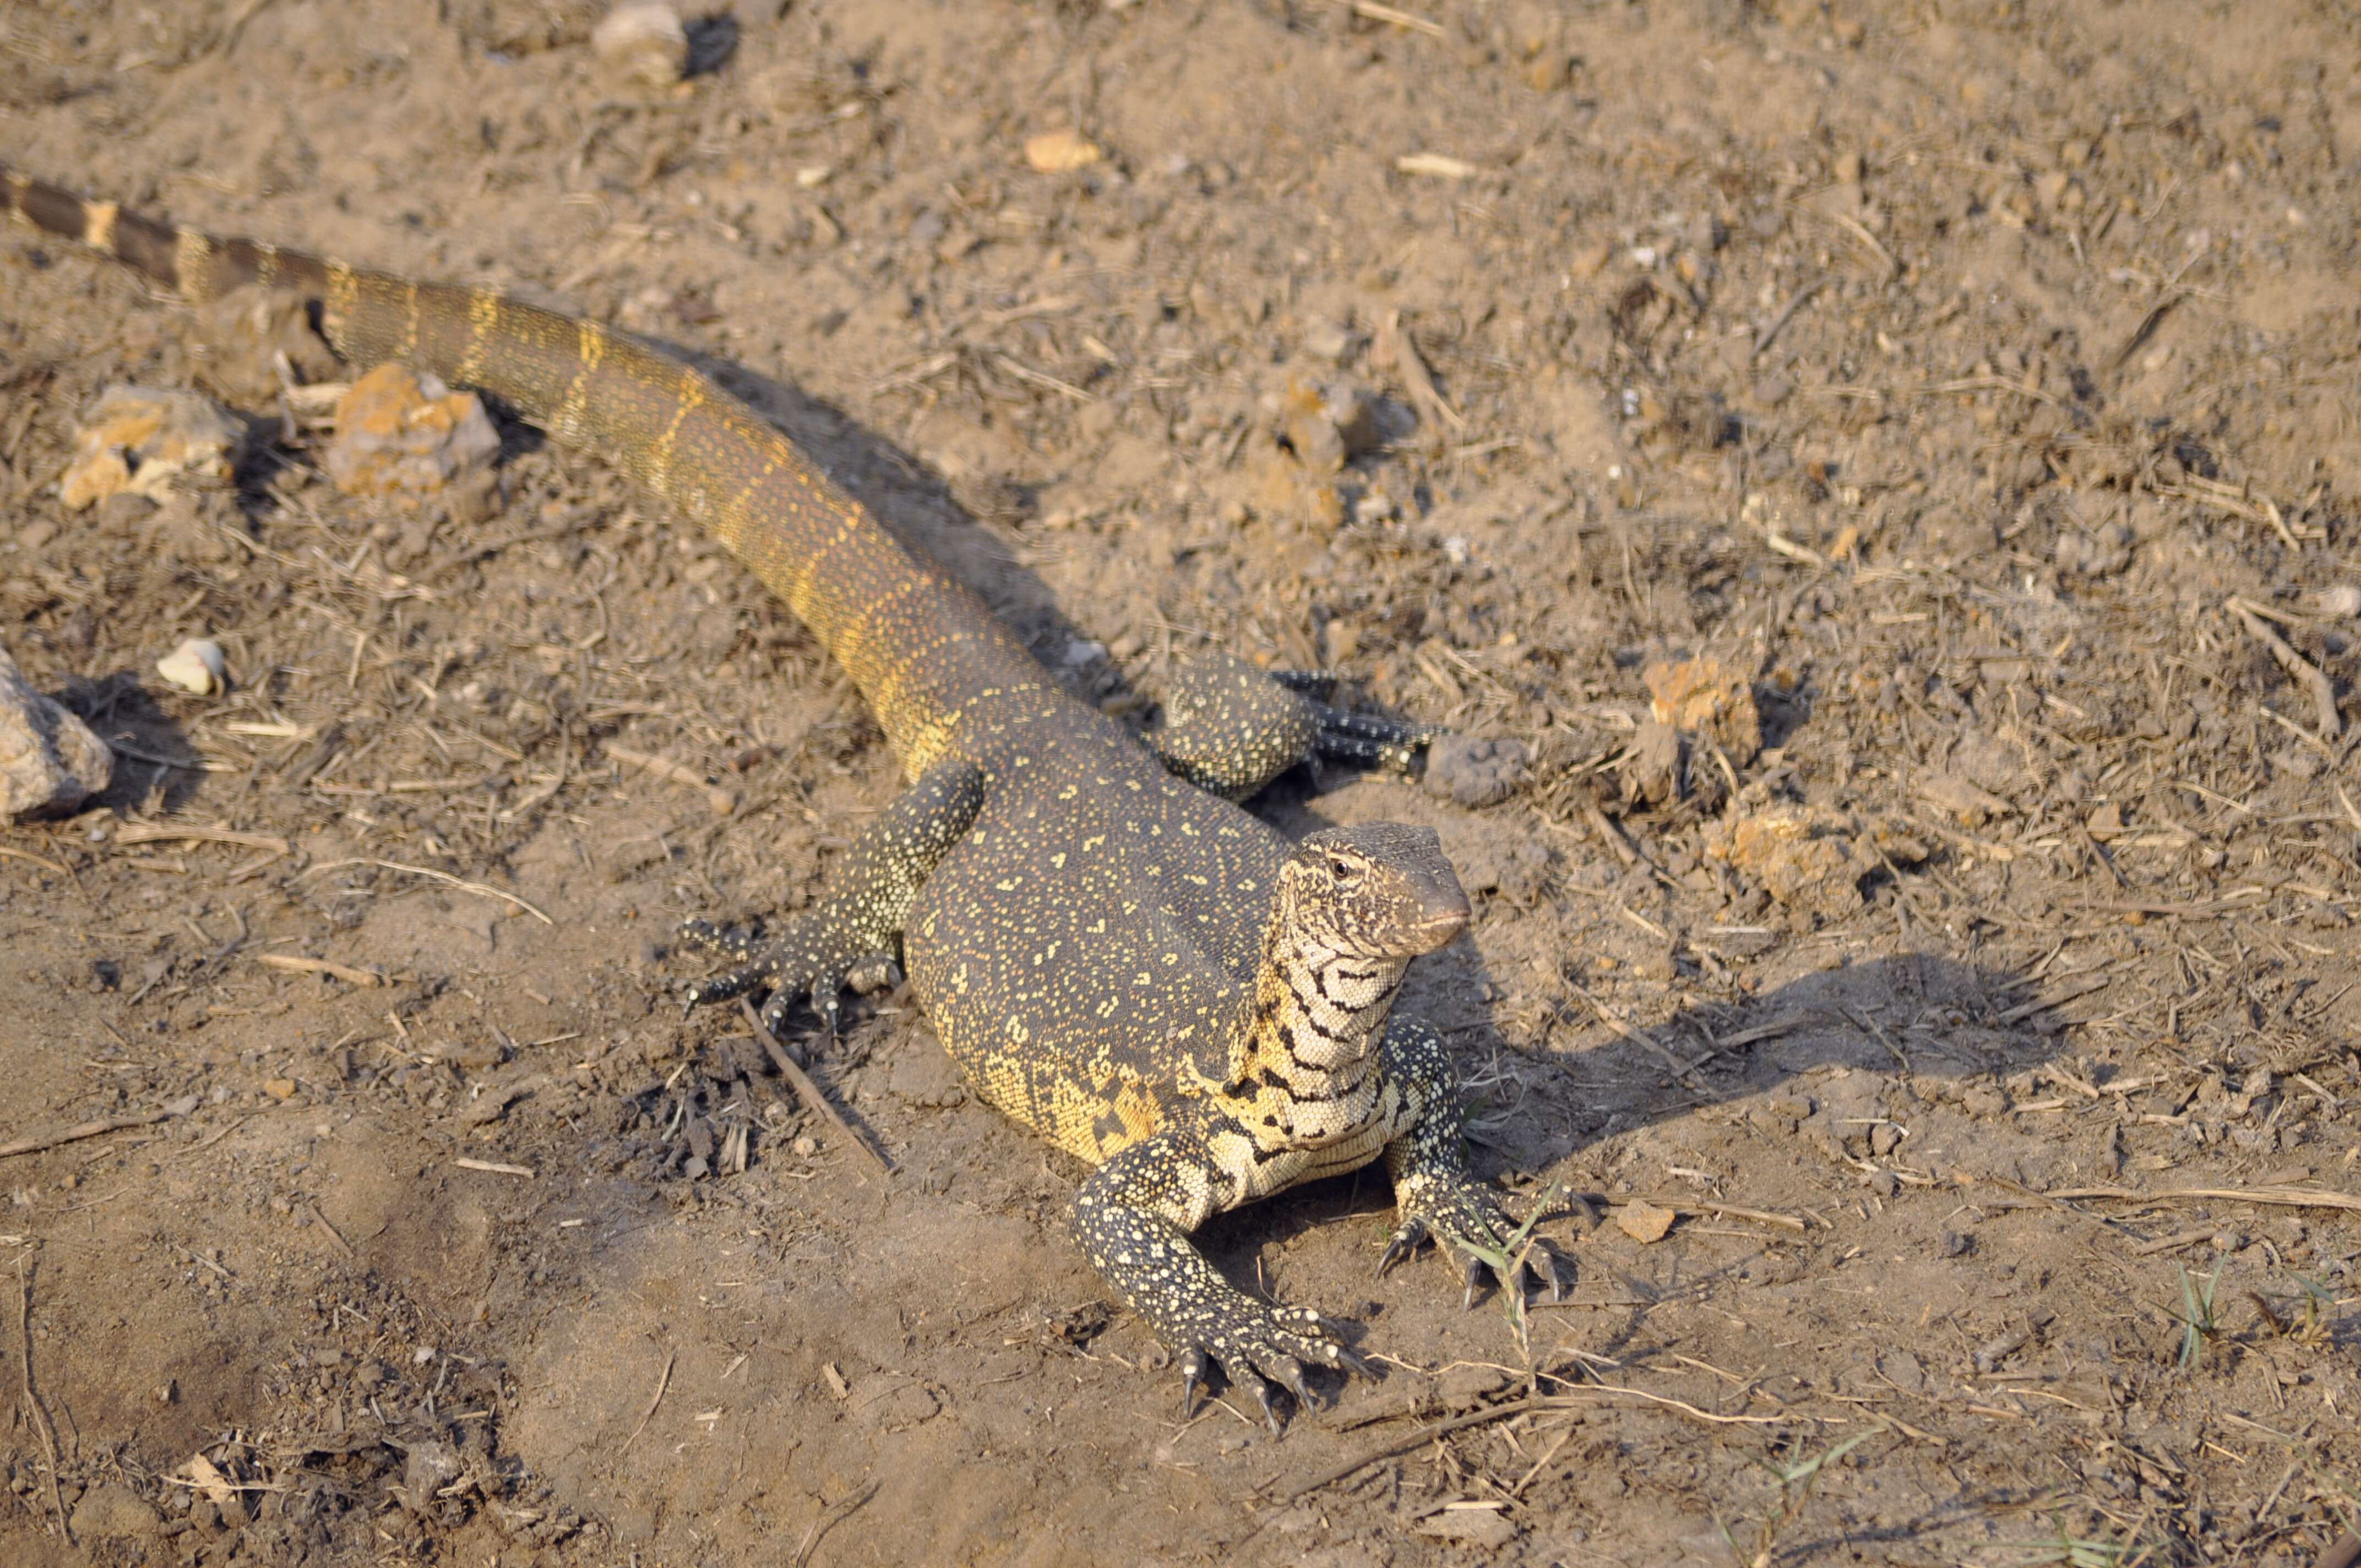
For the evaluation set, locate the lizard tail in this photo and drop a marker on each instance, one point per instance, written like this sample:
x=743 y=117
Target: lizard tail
x=916 y=642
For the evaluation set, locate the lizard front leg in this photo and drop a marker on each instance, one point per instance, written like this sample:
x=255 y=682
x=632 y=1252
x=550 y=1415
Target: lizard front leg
x=1230 y=729
x=1436 y=1195
x=854 y=931
x=1133 y=1218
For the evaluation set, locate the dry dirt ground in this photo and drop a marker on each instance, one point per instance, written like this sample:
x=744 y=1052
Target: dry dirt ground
x=1941 y=372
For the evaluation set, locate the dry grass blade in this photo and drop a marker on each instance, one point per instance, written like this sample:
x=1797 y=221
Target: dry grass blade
x=434 y=875
x=33 y=1400
x=2278 y=1196
x=831 y=1517
x=1386 y=14
x=177 y=833
x=291 y=964
x=27 y=855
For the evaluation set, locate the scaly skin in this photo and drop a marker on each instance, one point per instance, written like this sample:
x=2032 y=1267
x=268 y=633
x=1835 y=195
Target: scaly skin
x=1120 y=956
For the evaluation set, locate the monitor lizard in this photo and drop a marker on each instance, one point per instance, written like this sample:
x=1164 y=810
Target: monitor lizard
x=1119 y=956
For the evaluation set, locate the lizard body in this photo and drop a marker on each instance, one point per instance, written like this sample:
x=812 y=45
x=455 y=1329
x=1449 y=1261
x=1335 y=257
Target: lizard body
x=1119 y=956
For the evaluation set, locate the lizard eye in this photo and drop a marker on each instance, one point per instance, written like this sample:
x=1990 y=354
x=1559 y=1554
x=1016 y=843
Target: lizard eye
x=1343 y=869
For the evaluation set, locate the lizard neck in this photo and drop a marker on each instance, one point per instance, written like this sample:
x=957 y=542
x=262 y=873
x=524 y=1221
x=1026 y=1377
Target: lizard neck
x=1318 y=1010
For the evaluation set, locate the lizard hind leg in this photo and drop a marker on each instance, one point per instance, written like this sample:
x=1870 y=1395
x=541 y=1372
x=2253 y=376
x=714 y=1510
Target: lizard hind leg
x=852 y=934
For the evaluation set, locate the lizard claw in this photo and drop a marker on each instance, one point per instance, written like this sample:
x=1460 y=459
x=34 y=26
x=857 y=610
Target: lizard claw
x=1193 y=1366
x=1262 y=1397
x=1405 y=1241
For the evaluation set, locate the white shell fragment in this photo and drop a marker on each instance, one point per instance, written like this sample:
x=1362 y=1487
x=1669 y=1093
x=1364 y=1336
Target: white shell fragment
x=641 y=41
x=196 y=665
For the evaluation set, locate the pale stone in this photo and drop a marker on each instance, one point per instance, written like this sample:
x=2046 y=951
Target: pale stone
x=50 y=761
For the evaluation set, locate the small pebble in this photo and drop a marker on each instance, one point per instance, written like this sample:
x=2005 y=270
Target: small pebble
x=1059 y=152
x=1475 y=771
x=196 y=665
x=2343 y=600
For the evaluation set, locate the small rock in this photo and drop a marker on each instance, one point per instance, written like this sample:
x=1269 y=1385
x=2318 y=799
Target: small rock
x=139 y=441
x=279 y=1088
x=431 y=1466
x=1475 y=771
x=50 y=761
x=1059 y=152
x=196 y=665
x=1961 y=800
x=1705 y=697
x=399 y=432
x=641 y=42
x=1326 y=339
x=2343 y=600
x=1651 y=764
x=1643 y=1221
x=1809 y=858
x=1958 y=1244
x=109 y=1509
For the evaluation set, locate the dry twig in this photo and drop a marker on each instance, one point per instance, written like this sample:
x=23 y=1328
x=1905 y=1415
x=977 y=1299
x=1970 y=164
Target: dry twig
x=33 y=1143
x=831 y=1517
x=807 y=1088
x=2299 y=670
x=40 y=1411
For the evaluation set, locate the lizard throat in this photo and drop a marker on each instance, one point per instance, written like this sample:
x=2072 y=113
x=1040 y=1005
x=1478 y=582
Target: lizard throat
x=1318 y=1013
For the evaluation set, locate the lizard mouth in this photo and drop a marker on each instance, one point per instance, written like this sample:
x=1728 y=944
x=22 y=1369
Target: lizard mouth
x=1435 y=929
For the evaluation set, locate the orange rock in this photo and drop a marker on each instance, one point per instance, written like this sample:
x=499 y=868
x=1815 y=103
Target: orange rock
x=398 y=433
x=1644 y=1222
x=1705 y=697
x=141 y=441
x=1804 y=856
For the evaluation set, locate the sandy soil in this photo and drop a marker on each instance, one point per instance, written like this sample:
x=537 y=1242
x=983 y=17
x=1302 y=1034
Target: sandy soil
x=1940 y=371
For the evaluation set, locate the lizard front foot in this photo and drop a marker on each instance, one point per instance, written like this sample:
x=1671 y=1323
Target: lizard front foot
x=816 y=956
x=1257 y=1347
x=1477 y=1234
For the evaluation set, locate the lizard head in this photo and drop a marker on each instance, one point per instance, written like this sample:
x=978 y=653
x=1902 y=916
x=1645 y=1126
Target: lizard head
x=1381 y=890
